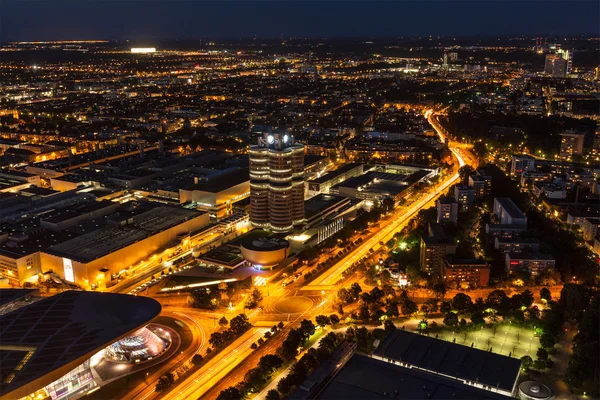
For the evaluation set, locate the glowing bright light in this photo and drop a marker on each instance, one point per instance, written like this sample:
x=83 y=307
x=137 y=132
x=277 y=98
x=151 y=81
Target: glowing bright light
x=143 y=50
x=270 y=139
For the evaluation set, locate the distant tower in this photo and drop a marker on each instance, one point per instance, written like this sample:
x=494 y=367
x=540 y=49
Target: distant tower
x=281 y=37
x=277 y=183
x=445 y=64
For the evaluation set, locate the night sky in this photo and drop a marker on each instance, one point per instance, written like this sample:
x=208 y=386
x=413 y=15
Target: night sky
x=137 y=19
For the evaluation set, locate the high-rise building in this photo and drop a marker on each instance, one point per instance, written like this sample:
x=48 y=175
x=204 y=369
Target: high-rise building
x=447 y=210
x=596 y=142
x=555 y=66
x=464 y=195
x=433 y=248
x=571 y=143
x=277 y=183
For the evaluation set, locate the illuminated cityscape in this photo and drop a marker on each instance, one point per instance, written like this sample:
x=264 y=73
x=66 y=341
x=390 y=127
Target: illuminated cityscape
x=292 y=200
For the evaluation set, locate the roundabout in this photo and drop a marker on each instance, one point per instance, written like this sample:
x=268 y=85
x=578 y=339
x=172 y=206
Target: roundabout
x=293 y=305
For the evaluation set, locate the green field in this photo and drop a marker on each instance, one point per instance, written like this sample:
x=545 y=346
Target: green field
x=508 y=339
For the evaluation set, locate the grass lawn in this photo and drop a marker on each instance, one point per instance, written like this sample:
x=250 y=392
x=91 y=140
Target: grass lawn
x=508 y=339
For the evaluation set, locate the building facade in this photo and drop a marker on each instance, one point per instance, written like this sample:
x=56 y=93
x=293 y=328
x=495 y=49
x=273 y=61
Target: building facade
x=277 y=183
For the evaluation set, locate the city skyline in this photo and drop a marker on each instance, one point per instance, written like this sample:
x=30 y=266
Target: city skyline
x=32 y=20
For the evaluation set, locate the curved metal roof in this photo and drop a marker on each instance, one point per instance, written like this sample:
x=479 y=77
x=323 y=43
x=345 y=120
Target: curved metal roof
x=60 y=332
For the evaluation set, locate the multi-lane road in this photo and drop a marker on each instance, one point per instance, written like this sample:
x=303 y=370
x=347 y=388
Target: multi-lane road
x=397 y=221
x=217 y=373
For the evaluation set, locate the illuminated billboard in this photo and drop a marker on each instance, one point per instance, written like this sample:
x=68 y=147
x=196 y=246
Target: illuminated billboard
x=68 y=268
x=143 y=50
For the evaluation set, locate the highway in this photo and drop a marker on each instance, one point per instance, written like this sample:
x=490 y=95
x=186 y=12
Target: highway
x=146 y=389
x=333 y=275
x=217 y=368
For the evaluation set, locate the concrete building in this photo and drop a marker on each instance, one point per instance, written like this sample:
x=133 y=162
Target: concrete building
x=590 y=228
x=464 y=195
x=555 y=66
x=521 y=163
x=481 y=183
x=433 y=249
x=447 y=210
x=277 y=183
x=533 y=263
x=324 y=183
x=96 y=258
x=508 y=213
x=517 y=245
x=216 y=191
x=571 y=143
x=465 y=273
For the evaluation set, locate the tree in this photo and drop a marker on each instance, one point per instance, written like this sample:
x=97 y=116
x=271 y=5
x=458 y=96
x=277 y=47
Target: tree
x=280 y=325
x=253 y=299
x=223 y=322
x=197 y=359
x=477 y=318
x=322 y=320
x=363 y=312
x=430 y=306
x=545 y=294
x=164 y=382
x=345 y=296
x=409 y=307
x=269 y=363
x=340 y=309
x=355 y=289
x=239 y=324
x=547 y=340
x=440 y=290
x=527 y=362
x=527 y=298
x=231 y=393
x=462 y=322
x=391 y=309
x=462 y=302
x=388 y=326
x=542 y=354
x=498 y=300
x=445 y=307
x=254 y=346
x=204 y=298
x=451 y=319
x=334 y=319
x=272 y=395
x=307 y=328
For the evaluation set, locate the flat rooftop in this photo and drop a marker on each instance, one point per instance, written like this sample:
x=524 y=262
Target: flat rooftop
x=334 y=174
x=451 y=359
x=103 y=241
x=366 y=378
x=510 y=207
x=60 y=332
x=320 y=203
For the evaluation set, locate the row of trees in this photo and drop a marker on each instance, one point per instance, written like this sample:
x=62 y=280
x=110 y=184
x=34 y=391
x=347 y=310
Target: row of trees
x=237 y=327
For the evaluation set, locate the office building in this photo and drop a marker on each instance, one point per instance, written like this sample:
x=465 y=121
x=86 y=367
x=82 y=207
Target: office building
x=465 y=273
x=532 y=263
x=464 y=195
x=433 y=249
x=277 y=183
x=571 y=143
x=447 y=210
x=555 y=66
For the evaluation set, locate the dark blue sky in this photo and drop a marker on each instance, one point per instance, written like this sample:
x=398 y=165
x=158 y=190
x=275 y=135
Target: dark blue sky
x=100 y=19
